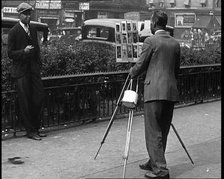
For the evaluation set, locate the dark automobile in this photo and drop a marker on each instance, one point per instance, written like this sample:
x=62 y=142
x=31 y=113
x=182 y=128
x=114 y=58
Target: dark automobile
x=103 y=30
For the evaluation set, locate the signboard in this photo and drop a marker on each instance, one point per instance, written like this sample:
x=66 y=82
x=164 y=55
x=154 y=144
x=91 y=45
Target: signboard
x=42 y=5
x=55 y=5
x=48 y=5
x=44 y=12
x=84 y=6
x=128 y=48
x=69 y=14
x=102 y=15
x=9 y=10
x=184 y=20
x=132 y=16
x=71 y=5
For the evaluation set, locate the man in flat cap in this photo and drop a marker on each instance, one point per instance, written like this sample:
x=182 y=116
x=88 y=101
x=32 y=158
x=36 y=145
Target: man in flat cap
x=24 y=49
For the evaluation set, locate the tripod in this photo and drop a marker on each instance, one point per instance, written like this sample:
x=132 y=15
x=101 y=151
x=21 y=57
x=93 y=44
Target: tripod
x=128 y=136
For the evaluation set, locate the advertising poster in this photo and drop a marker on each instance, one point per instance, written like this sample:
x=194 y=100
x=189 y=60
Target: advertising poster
x=130 y=37
x=124 y=38
x=135 y=37
x=129 y=51
x=118 y=53
x=135 y=52
x=118 y=27
x=124 y=53
x=184 y=20
x=129 y=26
x=134 y=26
x=118 y=38
x=139 y=48
x=124 y=27
x=127 y=41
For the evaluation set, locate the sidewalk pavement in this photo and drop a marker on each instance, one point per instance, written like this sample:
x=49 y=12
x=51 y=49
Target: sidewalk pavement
x=69 y=153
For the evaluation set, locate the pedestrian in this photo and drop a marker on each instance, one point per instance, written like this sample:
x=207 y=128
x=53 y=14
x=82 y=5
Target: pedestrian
x=24 y=50
x=206 y=39
x=160 y=59
x=195 y=34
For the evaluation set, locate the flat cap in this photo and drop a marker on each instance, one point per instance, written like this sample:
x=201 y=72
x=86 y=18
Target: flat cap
x=23 y=7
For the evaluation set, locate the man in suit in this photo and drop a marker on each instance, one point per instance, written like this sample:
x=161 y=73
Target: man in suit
x=160 y=59
x=24 y=49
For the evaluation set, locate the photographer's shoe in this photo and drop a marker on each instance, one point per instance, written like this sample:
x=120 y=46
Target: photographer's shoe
x=146 y=166
x=33 y=136
x=158 y=176
x=40 y=134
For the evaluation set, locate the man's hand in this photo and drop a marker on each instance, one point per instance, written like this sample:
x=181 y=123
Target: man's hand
x=130 y=70
x=28 y=48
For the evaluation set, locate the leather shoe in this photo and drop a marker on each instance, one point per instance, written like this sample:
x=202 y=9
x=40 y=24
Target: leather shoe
x=40 y=134
x=146 y=166
x=33 y=136
x=154 y=176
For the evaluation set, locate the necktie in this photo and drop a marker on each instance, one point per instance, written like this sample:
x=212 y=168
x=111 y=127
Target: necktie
x=27 y=30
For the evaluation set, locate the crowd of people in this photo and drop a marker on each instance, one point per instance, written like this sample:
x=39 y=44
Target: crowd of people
x=200 y=38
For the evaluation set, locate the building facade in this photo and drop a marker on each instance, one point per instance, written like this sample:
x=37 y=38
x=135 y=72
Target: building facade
x=183 y=14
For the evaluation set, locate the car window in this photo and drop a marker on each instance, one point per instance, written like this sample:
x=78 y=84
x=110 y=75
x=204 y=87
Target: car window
x=91 y=32
x=98 y=33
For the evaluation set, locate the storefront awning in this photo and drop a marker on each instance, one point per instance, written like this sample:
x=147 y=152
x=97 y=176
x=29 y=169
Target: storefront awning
x=202 y=22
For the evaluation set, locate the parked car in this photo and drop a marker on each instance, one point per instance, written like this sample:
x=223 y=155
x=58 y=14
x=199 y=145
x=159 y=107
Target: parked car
x=99 y=30
x=74 y=31
x=103 y=30
x=53 y=37
x=65 y=33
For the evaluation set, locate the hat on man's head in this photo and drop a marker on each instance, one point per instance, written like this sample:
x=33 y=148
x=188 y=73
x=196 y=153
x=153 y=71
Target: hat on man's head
x=24 y=7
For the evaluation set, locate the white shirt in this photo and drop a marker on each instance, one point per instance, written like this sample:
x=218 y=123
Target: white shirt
x=25 y=27
x=160 y=30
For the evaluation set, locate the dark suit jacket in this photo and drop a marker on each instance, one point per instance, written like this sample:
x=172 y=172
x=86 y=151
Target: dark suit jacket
x=18 y=39
x=160 y=59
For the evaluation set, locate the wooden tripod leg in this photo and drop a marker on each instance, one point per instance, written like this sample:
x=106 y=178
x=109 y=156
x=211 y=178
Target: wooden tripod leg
x=112 y=118
x=182 y=143
x=128 y=139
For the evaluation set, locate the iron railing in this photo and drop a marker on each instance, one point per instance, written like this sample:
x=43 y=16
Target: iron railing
x=77 y=98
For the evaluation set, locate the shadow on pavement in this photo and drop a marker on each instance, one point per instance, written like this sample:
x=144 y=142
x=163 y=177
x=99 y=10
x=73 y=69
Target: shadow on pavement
x=205 y=155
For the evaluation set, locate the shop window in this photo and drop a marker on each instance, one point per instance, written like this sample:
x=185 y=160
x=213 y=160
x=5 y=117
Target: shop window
x=150 y=3
x=187 y=3
x=203 y=3
x=218 y=3
x=161 y=3
x=172 y=3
